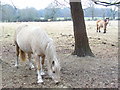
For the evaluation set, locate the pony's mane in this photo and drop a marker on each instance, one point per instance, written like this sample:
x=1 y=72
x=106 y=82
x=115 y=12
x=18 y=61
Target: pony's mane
x=51 y=54
x=51 y=50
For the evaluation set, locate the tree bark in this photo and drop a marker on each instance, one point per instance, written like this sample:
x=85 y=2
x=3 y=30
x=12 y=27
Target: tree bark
x=81 y=41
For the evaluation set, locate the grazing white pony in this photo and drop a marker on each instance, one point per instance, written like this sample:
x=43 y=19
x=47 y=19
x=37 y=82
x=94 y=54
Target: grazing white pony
x=102 y=24
x=32 y=40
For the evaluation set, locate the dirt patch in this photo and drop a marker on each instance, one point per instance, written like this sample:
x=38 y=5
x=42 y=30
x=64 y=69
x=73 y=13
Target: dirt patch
x=100 y=71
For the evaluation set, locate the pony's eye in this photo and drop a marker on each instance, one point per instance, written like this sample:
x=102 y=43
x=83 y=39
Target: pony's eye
x=53 y=71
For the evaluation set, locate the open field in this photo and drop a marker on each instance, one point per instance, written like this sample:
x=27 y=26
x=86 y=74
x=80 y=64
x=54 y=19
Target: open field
x=100 y=71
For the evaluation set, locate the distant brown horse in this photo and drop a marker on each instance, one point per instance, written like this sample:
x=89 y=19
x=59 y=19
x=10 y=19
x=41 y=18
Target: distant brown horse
x=102 y=24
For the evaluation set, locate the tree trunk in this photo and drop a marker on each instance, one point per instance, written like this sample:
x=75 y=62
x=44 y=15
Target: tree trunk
x=114 y=15
x=0 y=12
x=81 y=41
x=92 y=13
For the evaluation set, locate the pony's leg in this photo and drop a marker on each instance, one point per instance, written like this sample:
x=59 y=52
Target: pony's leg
x=37 y=58
x=43 y=59
x=30 y=62
x=49 y=68
x=17 y=54
x=42 y=63
x=99 y=29
x=104 y=29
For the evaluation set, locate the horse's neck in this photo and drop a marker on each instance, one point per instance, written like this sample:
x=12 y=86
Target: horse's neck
x=52 y=55
x=50 y=51
x=107 y=21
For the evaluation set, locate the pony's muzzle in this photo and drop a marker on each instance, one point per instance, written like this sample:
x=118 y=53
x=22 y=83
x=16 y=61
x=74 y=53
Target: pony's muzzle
x=57 y=82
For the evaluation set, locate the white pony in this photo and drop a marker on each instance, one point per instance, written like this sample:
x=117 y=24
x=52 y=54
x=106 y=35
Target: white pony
x=32 y=40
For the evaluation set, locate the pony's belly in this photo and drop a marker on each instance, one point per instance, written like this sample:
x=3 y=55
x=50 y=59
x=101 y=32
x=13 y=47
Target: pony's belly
x=24 y=45
x=100 y=25
x=26 y=49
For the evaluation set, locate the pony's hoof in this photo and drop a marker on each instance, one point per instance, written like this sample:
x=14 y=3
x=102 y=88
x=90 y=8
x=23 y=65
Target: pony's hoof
x=16 y=66
x=57 y=82
x=42 y=73
x=40 y=81
x=32 y=67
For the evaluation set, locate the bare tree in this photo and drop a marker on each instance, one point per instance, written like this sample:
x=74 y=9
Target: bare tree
x=103 y=13
x=0 y=11
x=113 y=11
x=91 y=5
x=82 y=47
x=51 y=11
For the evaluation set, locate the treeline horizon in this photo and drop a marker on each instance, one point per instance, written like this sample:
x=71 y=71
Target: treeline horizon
x=11 y=14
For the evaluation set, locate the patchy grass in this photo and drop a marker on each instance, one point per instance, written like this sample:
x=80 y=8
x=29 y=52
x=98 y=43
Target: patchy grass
x=100 y=71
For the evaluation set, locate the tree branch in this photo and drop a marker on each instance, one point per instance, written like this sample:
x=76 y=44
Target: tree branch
x=13 y=5
x=58 y=3
x=106 y=3
x=61 y=4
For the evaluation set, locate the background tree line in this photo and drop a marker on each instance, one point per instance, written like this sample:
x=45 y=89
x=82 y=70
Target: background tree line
x=10 y=14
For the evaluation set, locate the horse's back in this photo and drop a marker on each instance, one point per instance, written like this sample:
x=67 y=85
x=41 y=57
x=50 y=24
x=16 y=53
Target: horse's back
x=20 y=27
x=100 y=23
x=31 y=38
x=23 y=38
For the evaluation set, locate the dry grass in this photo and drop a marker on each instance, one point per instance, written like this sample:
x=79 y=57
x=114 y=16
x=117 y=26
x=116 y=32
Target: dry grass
x=100 y=71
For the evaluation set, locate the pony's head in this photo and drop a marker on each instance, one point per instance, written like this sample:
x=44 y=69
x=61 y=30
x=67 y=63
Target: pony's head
x=55 y=67
x=53 y=63
x=107 y=20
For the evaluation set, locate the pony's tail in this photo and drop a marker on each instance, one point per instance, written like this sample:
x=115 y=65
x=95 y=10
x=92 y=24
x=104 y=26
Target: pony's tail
x=22 y=55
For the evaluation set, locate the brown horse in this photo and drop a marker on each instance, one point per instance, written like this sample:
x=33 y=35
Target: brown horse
x=102 y=24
